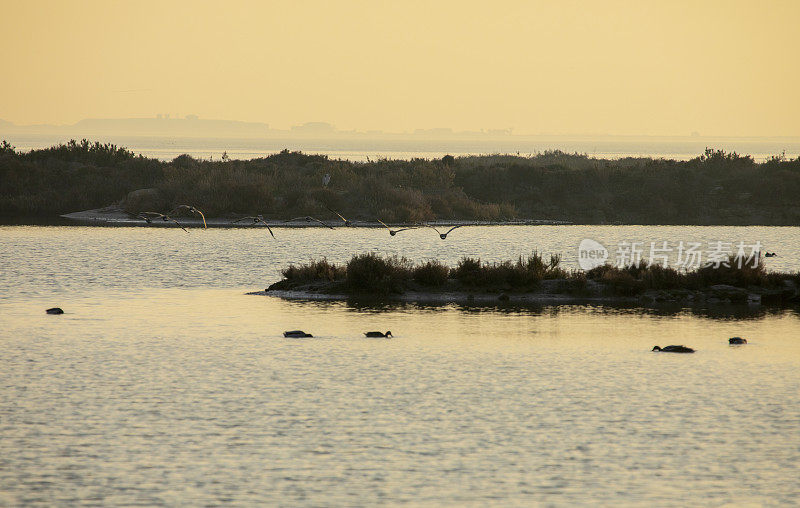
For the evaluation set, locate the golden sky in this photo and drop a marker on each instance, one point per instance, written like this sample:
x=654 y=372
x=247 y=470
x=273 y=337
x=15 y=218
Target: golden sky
x=617 y=67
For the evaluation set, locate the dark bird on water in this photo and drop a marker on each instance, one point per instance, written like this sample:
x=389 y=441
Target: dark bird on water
x=296 y=334
x=443 y=236
x=674 y=349
x=256 y=219
x=55 y=310
x=378 y=334
x=393 y=232
x=308 y=218
x=193 y=210
x=737 y=340
x=770 y=255
x=150 y=216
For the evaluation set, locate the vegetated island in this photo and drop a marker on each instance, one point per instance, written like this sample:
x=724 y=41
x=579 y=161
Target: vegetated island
x=715 y=188
x=536 y=280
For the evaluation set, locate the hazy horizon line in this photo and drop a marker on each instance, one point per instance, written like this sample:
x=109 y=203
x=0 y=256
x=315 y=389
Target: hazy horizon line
x=312 y=128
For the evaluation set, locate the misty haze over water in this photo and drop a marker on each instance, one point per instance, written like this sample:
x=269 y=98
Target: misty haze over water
x=359 y=148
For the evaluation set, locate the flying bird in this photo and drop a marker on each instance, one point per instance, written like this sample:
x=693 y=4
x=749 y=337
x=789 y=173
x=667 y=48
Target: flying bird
x=347 y=223
x=150 y=216
x=308 y=218
x=394 y=231
x=193 y=210
x=256 y=219
x=443 y=236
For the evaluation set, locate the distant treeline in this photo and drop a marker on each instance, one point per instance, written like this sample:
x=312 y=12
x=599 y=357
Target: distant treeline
x=714 y=188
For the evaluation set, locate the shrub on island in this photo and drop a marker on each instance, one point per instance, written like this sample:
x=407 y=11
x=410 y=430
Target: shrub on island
x=374 y=274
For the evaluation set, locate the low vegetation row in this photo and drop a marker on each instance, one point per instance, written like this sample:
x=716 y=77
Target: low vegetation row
x=373 y=274
x=714 y=188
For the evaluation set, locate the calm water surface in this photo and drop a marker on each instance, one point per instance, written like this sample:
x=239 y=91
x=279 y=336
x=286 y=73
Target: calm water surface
x=164 y=384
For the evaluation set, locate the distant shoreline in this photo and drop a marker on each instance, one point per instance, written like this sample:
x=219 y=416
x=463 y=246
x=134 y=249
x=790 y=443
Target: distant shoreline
x=102 y=217
x=83 y=181
x=147 y=139
x=719 y=294
x=114 y=216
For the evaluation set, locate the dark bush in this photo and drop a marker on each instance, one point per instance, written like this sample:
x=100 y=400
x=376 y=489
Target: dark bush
x=314 y=270
x=468 y=271
x=432 y=273
x=370 y=273
x=526 y=273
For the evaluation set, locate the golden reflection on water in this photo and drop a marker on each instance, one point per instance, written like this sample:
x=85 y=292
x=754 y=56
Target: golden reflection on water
x=161 y=396
x=129 y=396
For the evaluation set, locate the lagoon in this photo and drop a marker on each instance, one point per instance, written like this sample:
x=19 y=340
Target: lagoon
x=164 y=383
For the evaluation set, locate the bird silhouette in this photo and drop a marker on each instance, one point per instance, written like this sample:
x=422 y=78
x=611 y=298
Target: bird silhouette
x=309 y=218
x=256 y=219
x=673 y=349
x=150 y=216
x=737 y=340
x=443 y=236
x=296 y=334
x=378 y=334
x=394 y=231
x=347 y=223
x=193 y=210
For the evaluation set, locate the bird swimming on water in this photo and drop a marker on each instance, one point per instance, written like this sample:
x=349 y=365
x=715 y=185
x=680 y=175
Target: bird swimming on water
x=256 y=219
x=393 y=232
x=193 y=210
x=673 y=349
x=737 y=340
x=149 y=216
x=378 y=334
x=443 y=236
x=296 y=334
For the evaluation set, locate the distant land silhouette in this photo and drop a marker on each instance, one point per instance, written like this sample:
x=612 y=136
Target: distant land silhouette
x=164 y=137
x=194 y=126
x=715 y=188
